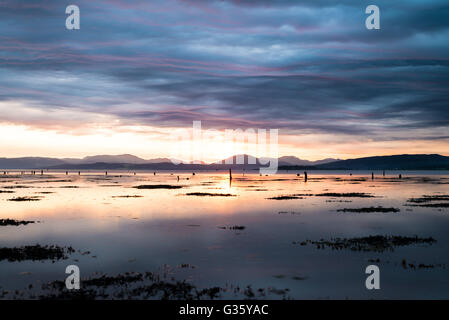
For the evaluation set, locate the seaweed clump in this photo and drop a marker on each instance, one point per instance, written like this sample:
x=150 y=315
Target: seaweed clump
x=429 y=201
x=233 y=228
x=146 y=286
x=208 y=194
x=36 y=252
x=12 y=222
x=237 y=228
x=376 y=243
x=426 y=199
x=291 y=197
x=369 y=210
x=431 y=205
x=345 y=195
x=419 y=266
x=128 y=196
x=157 y=186
x=29 y=198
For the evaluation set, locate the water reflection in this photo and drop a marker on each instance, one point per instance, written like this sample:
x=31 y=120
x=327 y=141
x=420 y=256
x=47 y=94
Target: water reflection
x=130 y=229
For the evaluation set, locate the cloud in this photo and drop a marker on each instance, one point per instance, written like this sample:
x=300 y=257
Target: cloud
x=302 y=67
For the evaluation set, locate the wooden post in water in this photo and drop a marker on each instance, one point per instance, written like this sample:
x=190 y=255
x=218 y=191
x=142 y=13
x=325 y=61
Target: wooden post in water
x=372 y=175
x=178 y=178
x=383 y=173
x=106 y=173
x=230 y=174
x=400 y=176
x=305 y=176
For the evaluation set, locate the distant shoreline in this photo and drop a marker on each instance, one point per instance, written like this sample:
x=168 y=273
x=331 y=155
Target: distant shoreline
x=433 y=162
x=377 y=173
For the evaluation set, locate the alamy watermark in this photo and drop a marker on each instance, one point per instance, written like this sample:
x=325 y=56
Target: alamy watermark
x=260 y=144
x=72 y=22
x=373 y=20
x=373 y=280
x=72 y=282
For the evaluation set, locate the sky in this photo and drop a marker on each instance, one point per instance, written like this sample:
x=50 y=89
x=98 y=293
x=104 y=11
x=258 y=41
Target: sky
x=138 y=71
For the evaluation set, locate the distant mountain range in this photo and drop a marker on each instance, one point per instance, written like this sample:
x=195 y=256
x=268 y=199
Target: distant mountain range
x=122 y=158
x=127 y=161
x=396 y=162
x=282 y=161
x=294 y=161
x=44 y=163
x=131 y=162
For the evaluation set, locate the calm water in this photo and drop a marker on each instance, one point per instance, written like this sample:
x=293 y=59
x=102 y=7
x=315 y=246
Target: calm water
x=164 y=229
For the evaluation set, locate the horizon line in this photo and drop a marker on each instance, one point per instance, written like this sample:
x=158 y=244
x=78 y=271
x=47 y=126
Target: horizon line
x=216 y=161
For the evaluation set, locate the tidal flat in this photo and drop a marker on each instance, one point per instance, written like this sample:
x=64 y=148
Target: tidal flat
x=167 y=236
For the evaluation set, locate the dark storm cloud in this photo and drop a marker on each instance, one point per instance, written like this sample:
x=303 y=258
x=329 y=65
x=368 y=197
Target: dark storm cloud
x=307 y=66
